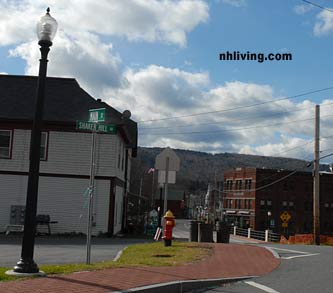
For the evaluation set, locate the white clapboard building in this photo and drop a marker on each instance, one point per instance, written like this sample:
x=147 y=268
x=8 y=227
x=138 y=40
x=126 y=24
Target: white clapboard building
x=65 y=156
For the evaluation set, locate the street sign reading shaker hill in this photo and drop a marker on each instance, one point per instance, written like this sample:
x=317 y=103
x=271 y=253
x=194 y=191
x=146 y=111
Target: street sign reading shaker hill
x=96 y=127
x=96 y=116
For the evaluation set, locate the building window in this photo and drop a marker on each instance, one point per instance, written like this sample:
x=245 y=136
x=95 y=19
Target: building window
x=269 y=202
x=229 y=203
x=43 y=146
x=239 y=184
x=247 y=204
x=291 y=205
x=284 y=203
x=248 y=184
x=262 y=202
x=238 y=203
x=5 y=143
x=229 y=185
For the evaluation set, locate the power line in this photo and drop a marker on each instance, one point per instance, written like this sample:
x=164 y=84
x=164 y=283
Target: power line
x=237 y=108
x=264 y=186
x=274 y=182
x=317 y=5
x=233 y=120
x=285 y=177
x=233 y=129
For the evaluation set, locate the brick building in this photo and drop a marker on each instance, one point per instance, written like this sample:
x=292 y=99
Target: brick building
x=256 y=198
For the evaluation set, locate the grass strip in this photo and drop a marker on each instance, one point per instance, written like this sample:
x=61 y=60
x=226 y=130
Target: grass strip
x=148 y=254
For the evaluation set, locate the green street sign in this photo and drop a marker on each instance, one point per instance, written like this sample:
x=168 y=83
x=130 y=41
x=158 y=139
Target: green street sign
x=97 y=115
x=97 y=127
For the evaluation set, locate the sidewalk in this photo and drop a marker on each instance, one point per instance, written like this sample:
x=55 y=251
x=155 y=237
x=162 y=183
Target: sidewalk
x=227 y=261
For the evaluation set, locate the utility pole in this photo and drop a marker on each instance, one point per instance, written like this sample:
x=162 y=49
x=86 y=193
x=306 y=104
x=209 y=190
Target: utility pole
x=139 y=201
x=165 y=206
x=160 y=207
x=316 y=208
x=221 y=201
x=215 y=192
x=152 y=189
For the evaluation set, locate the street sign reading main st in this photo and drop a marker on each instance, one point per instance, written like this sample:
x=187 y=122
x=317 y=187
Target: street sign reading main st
x=97 y=115
x=97 y=127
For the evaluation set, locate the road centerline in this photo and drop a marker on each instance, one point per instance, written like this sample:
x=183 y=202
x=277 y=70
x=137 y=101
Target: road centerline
x=261 y=287
x=296 y=256
x=299 y=253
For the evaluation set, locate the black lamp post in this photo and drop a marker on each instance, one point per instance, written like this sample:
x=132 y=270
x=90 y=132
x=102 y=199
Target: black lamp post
x=46 y=29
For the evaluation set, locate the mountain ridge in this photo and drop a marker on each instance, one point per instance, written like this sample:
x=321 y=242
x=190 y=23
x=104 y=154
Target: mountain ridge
x=197 y=169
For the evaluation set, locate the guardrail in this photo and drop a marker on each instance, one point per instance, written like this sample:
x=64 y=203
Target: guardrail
x=267 y=235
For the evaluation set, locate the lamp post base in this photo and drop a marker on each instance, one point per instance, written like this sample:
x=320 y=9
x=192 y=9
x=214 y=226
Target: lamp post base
x=26 y=266
x=13 y=273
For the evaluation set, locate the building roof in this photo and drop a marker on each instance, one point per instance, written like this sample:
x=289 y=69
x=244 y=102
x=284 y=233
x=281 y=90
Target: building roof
x=65 y=101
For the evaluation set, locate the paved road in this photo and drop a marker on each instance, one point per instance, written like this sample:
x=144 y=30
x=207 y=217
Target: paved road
x=182 y=229
x=57 y=250
x=54 y=250
x=304 y=268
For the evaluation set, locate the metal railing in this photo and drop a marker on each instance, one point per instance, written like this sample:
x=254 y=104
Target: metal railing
x=267 y=235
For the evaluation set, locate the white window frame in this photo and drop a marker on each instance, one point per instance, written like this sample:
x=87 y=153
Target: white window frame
x=9 y=146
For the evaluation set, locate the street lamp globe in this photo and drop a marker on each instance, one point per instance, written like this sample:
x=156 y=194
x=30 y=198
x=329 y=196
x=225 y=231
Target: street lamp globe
x=46 y=27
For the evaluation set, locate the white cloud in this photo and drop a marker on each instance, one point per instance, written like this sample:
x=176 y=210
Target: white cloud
x=17 y=22
x=71 y=57
x=164 y=21
x=82 y=47
x=324 y=25
x=157 y=92
x=236 y=3
x=287 y=147
x=303 y=8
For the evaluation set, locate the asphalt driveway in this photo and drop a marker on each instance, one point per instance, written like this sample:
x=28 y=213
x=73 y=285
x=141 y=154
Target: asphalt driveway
x=61 y=250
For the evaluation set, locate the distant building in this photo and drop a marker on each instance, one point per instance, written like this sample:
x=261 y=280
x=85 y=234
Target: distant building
x=176 y=202
x=256 y=198
x=65 y=156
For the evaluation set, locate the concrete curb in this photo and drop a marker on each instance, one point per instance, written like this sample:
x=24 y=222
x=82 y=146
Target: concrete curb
x=119 y=254
x=183 y=285
x=276 y=255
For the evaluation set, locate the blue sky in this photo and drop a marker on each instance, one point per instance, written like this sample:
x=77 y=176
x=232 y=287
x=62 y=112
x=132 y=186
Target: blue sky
x=160 y=59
